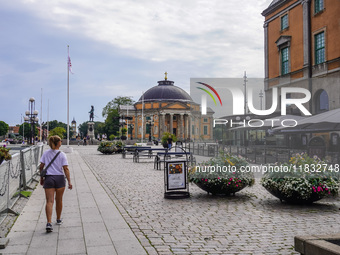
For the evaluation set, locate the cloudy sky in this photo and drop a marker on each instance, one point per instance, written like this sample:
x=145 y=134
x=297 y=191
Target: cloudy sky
x=119 y=48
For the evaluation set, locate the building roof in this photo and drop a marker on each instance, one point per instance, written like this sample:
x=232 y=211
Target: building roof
x=165 y=91
x=273 y=6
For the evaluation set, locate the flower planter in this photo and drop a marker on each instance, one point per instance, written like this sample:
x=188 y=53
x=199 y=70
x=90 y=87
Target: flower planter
x=222 y=175
x=220 y=188
x=301 y=182
x=295 y=197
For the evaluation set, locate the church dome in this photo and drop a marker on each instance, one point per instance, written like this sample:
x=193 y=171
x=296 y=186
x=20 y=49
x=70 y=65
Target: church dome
x=165 y=91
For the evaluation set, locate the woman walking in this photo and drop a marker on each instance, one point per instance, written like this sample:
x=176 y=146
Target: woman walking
x=54 y=182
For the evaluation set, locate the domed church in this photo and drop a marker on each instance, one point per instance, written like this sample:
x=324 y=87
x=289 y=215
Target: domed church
x=167 y=108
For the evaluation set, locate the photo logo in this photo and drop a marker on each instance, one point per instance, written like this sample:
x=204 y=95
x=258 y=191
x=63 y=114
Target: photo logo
x=204 y=97
x=238 y=102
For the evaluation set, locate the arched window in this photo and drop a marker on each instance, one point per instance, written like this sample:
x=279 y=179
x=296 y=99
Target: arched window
x=321 y=101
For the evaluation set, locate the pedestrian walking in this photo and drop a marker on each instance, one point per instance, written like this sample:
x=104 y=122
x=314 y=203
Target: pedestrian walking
x=54 y=181
x=169 y=142
x=84 y=141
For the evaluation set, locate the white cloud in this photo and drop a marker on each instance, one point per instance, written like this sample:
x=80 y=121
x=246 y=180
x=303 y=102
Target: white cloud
x=228 y=31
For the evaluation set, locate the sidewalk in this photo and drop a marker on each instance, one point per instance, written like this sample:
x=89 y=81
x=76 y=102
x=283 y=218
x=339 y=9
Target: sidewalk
x=92 y=224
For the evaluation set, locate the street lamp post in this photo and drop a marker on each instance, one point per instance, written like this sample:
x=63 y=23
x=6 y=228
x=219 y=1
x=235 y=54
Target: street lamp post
x=31 y=117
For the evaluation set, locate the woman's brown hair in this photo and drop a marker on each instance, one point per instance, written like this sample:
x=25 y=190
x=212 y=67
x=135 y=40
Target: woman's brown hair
x=53 y=141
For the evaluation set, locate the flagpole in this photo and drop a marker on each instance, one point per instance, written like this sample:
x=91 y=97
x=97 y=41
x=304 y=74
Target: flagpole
x=68 y=101
x=41 y=116
x=68 y=95
x=142 y=115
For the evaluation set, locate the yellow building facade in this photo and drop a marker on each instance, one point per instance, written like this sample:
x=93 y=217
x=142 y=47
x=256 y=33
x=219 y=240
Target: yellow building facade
x=167 y=108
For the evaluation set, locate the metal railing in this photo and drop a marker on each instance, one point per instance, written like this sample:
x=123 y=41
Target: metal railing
x=257 y=154
x=15 y=176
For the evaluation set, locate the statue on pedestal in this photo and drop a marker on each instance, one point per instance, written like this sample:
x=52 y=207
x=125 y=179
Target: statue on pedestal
x=91 y=113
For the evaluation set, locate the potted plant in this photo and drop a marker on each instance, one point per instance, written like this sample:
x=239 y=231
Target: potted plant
x=123 y=131
x=303 y=180
x=222 y=175
x=119 y=146
x=165 y=137
x=107 y=147
x=4 y=153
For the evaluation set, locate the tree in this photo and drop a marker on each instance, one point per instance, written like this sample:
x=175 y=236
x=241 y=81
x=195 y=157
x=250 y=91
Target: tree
x=3 y=128
x=54 y=123
x=110 y=111
x=115 y=103
x=26 y=127
x=98 y=128
x=82 y=129
x=58 y=131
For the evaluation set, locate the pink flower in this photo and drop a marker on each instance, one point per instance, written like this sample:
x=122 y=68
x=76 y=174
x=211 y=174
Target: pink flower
x=218 y=178
x=206 y=180
x=231 y=179
x=236 y=185
x=326 y=189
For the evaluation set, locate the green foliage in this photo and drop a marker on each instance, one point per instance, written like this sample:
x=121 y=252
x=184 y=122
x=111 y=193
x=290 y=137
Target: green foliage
x=98 y=128
x=54 y=123
x=109 y=147
x=27 y=130
x=302 y=179
x=222 y=175
x=165 y=137
x=112 y=137
x=3 y=128
x=58 y=131
x=4 y=153
x=115 y=103
x=124 y=131
x=110 y=111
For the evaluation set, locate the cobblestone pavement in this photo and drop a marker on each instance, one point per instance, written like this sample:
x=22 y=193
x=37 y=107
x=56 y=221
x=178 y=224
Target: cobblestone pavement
x=252 y=222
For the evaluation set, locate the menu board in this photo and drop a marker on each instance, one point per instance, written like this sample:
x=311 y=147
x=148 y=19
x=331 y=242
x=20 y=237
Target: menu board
x=176 y=175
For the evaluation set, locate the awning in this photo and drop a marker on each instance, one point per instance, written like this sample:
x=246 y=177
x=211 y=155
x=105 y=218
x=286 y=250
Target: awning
x=322 y=122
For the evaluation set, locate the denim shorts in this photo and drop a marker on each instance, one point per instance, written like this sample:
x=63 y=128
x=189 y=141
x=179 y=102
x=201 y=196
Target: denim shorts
x=54 y=181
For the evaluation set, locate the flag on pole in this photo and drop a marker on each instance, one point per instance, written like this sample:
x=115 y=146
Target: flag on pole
x=69 y=64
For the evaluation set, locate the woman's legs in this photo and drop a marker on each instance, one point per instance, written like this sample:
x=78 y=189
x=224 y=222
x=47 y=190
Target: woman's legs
x=49 y=193
x=59 y=201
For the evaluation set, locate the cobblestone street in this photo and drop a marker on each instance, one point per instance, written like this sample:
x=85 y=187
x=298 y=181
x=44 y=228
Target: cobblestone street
x=251 y=222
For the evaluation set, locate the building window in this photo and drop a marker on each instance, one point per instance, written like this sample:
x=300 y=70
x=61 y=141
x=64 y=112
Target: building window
x=322 y=102
x=284 y=22
x=284 y=61
x=205 y=130
x=320 y=48
x=318 y=6
x=205 y=120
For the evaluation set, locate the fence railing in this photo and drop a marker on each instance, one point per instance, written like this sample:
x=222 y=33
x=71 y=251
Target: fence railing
x=15 y=176
x=257 y=154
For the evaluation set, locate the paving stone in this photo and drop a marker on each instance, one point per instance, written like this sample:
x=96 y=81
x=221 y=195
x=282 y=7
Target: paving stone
x=252 y=221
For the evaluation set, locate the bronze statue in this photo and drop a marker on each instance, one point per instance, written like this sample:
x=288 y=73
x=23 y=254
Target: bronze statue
x=91 y=113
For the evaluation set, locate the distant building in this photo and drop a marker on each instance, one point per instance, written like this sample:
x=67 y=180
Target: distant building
x=13 y=130
x=167 y=108
x=301 y=46
x=74 y=128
